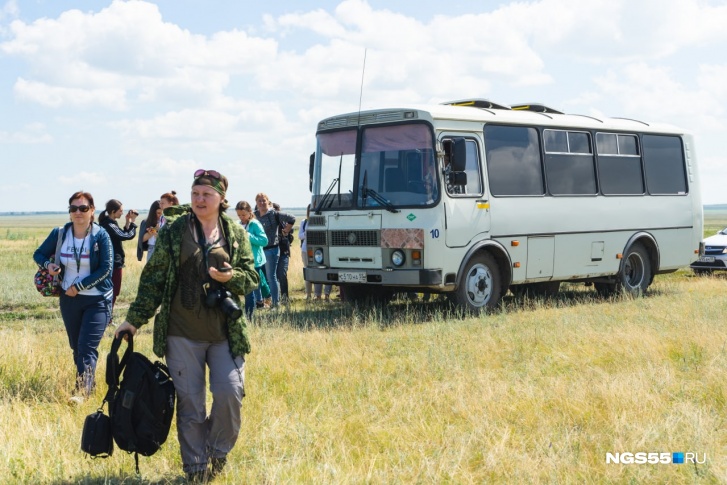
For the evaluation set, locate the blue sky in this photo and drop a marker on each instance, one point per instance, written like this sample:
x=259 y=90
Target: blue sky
x=126 y=99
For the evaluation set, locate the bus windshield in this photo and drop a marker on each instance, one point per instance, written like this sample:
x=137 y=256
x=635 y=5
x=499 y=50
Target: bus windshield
x=397 y=167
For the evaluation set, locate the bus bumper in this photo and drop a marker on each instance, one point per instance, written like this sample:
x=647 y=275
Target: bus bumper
x=400 y=277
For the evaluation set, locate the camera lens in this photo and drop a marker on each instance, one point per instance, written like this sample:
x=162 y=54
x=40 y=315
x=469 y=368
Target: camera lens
x=229 y=307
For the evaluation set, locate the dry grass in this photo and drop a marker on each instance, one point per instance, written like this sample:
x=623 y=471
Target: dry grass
x=537 y=392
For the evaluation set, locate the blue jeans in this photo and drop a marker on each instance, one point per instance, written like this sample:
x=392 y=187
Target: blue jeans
x=271 y=266
x=85 y=318
x=282 y=273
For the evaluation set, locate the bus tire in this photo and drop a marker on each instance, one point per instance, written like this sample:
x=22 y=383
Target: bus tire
x=635 y=275
x=479 y=288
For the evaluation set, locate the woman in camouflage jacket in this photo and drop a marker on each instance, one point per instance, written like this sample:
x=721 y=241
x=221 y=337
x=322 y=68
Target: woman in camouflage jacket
x=201 y=264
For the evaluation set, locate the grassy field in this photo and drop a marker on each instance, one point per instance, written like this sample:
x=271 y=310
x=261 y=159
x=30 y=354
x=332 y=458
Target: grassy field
x=537 y=392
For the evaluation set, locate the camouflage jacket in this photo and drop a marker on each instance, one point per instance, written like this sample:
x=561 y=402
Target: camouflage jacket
x=159 y=279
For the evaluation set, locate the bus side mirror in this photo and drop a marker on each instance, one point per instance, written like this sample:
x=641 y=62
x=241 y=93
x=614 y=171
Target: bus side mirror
x=310 y=171
x=457 y=178
x=459 y=155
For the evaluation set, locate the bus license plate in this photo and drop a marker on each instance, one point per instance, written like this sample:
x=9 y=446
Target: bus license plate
x=352 y=277
x=706 y=259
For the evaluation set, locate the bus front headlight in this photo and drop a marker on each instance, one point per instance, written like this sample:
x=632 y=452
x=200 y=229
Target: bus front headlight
x=398 y=258
x=318 y=256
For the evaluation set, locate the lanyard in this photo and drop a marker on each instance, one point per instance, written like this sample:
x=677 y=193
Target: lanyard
x=77 y=253
x=202 y=241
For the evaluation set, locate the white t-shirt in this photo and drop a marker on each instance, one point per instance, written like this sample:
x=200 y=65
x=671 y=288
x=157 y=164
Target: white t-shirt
x=76 y=269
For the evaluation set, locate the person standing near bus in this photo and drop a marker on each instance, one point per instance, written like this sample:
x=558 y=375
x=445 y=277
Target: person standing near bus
x=271 y=221
x=258 y=240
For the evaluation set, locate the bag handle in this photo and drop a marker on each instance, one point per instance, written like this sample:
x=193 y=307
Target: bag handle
x=114 y=367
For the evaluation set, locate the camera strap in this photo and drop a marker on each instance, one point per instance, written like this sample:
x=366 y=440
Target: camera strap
x=202 y=241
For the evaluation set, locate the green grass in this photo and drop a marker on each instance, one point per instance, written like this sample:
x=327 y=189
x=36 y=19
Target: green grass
x=536 y=392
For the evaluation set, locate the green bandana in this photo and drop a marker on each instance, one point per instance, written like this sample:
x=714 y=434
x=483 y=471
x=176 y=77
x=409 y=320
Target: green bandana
x=220 y=185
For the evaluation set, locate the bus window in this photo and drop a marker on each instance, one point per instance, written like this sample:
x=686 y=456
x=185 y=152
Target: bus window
x=619 y=164
x=472 y=169
x=569 y=163
x=664 y=164
x=513 y=160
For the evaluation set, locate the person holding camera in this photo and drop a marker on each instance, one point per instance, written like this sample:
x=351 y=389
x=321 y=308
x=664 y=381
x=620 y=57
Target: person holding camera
x=148 y=230
x=107 y=219
x=202 y=264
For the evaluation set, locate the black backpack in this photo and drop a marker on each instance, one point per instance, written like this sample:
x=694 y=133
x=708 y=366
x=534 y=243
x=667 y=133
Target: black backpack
x=141 y=404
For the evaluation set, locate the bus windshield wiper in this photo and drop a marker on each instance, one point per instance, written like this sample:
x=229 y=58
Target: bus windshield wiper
x=325 y=196
x=366 y=192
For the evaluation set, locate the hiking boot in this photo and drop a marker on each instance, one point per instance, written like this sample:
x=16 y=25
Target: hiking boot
x=199 y=476
x=216 y=466
x=76 y=400
x=259 y=304
x=268 y=302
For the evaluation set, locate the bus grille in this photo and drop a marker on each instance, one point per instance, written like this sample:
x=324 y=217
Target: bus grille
x=315 y=238
x=355 y=238
x=317 y=221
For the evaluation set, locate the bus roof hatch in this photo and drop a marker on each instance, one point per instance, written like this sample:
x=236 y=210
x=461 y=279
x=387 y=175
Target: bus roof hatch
x=477 y=103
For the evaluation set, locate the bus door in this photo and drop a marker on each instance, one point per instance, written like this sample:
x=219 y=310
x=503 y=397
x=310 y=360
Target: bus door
x=466 y=206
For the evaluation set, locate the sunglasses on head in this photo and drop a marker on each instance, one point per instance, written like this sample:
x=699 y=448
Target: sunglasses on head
x=212 y=173
x=82 y=208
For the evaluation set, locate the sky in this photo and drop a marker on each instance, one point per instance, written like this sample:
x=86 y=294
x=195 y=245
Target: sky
x=126 y=99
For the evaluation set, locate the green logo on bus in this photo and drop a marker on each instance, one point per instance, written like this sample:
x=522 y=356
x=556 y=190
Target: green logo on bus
x=411 y=217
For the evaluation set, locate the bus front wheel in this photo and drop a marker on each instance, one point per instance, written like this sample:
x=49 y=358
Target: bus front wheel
x=480 y=287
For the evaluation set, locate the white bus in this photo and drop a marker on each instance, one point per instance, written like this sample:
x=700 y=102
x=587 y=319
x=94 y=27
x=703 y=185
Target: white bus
x=471 y=198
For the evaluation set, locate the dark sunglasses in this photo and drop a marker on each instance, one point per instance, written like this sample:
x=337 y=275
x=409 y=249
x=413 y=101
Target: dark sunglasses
x=82 y=208
x=212 y=173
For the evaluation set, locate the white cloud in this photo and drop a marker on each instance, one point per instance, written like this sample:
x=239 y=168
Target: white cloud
x=248 y=98
x=31 y=134
x=83 y=179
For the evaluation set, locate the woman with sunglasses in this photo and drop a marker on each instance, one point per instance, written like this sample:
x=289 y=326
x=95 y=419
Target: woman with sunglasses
x=81 y=253
x=202 y=264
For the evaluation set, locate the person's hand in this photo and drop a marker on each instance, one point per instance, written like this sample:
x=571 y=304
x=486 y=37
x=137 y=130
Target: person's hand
x=72 y=291
x=54 y=269
x=131 y=215
x=125 y=327
x=222 y=275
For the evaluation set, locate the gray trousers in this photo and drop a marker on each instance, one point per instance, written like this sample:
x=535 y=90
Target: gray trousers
x=203 y=436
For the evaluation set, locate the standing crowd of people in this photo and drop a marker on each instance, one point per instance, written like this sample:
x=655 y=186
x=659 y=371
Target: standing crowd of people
x=199 y=265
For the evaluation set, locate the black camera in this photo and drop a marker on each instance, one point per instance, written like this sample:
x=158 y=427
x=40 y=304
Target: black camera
x=223 y=298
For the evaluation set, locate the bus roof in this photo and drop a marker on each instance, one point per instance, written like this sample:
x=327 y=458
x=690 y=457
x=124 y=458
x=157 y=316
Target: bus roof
x=484 y=111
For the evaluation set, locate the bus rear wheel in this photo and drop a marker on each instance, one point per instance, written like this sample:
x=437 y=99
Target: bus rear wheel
x=635 y=275
x=480 y=286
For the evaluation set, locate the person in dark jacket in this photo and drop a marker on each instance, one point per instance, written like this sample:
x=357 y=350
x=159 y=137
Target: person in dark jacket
x=108 y=217
x=80 y=253
x=201 y=266
x=275 y=224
